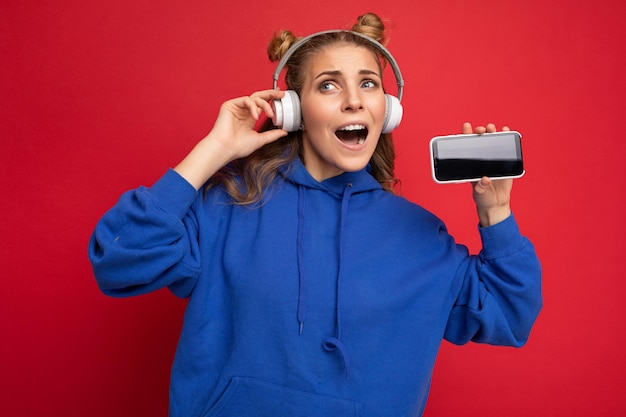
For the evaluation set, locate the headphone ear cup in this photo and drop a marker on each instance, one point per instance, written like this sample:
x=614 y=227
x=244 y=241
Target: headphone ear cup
x=287 y=114
x=393 y=113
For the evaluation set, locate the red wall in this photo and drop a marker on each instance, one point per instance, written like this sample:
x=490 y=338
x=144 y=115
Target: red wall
x=99 y=97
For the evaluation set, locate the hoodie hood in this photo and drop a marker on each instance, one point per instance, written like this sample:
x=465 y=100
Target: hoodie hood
x=361 y=180
x=340 y=187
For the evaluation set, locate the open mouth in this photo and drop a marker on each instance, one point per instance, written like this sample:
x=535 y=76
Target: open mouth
x=352 y=134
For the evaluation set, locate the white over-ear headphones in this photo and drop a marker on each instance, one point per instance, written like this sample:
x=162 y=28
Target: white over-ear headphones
x=287 y=111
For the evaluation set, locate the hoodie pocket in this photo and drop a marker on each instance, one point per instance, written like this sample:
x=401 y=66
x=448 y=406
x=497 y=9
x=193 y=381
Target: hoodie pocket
x=252 y=397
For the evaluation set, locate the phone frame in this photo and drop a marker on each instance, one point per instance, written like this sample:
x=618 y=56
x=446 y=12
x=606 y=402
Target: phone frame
x=432 y=152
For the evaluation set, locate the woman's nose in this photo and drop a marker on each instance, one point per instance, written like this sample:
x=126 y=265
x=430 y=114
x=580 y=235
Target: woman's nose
x=353 y=100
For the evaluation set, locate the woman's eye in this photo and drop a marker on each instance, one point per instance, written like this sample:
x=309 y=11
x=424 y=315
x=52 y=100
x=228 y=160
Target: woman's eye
x=327 y=86
x=369 y=84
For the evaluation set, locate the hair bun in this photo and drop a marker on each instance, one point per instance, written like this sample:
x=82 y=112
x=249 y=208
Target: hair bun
x=371 y=25
x=279 y=44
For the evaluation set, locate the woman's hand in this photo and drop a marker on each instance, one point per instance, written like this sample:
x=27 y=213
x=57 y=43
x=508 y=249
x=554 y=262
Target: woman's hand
x=233 y=136
x=234 y=127
x=492 y=197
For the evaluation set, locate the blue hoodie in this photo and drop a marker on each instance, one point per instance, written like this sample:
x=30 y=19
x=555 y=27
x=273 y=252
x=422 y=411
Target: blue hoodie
x=329 y=299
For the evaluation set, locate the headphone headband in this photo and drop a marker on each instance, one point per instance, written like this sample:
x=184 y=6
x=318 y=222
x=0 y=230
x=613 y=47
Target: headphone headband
x=378 y=45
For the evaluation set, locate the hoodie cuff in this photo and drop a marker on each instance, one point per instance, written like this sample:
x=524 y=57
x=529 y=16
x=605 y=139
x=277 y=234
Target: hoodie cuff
x=173 y=194
x=501 y=239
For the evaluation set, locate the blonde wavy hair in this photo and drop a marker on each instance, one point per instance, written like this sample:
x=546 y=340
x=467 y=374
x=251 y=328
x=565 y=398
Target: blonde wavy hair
x=247 y=179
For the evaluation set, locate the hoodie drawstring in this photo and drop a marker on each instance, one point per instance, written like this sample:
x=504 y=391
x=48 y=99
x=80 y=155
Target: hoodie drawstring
x=302 y=301
x=331 y=344
x=334 y=343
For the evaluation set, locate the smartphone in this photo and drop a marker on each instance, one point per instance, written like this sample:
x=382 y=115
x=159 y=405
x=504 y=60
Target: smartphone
x=469 y=157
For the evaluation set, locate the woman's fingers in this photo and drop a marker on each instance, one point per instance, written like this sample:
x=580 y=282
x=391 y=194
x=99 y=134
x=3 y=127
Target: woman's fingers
x=262 y=100
x=490 y=128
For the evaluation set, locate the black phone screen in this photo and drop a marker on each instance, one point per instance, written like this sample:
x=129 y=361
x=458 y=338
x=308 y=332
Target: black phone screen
x=464 y=157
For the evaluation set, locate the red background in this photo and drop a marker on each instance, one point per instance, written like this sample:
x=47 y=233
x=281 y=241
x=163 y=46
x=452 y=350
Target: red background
x=99 y=97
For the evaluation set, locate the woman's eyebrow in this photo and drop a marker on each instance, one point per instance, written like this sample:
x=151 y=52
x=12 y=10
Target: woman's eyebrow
x=330 y=73
x=335 y=73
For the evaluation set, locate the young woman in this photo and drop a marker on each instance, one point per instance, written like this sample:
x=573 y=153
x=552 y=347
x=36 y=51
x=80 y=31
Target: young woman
x=313 y=289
